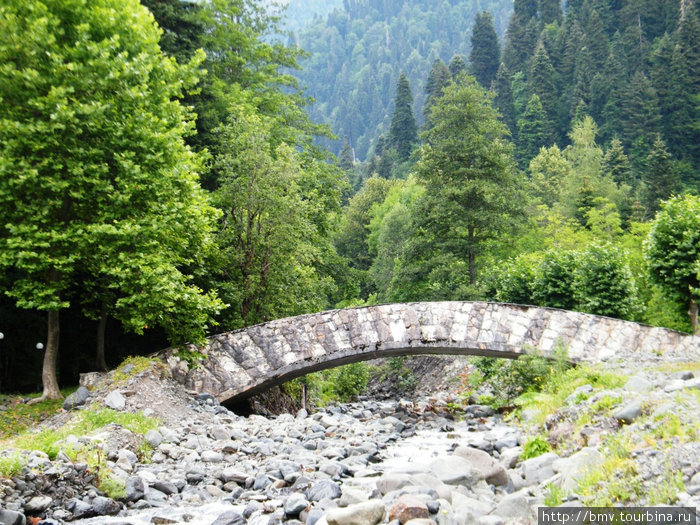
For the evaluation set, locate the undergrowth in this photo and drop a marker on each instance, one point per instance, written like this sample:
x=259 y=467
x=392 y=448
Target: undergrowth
x=19 y=416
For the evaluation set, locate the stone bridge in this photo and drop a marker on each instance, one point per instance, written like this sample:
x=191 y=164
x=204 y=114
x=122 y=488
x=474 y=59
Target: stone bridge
x=245 y=362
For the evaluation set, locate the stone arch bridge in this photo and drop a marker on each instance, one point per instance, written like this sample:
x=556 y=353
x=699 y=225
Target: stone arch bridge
x=245 y=362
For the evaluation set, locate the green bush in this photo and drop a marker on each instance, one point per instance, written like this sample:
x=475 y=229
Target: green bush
x=535 y=446
x=351 y=381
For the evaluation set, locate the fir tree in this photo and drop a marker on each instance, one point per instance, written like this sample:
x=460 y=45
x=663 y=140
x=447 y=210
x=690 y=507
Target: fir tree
x=403 y=134
x=485 y=53
x=550 y=11
x=534 y=130
x=521 y=37
x=504 y=99
x=457 y=66
x=596 y=40
x=639 y=117
x=542 y=82
x=660 y=178
x=616 y=164
x=346 y=159
x=438 y=78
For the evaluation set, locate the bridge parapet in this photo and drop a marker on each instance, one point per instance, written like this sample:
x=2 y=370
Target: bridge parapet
x=247 y=361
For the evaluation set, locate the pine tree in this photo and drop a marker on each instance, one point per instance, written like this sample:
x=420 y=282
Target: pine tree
x=542 y=82
x=534 y=130
x=660 y=178
x=346 y=159
x=485 y=53
x=438 y=78
x=403 y=133
x=607 y=87
x=521 y=37
x=457 y=66
x=616 y=164
x=550 y=11
x=639 y=117
x=596 y=40
x=504 y=100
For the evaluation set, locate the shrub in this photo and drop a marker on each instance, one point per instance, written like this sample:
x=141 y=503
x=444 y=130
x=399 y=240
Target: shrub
x=351 y=381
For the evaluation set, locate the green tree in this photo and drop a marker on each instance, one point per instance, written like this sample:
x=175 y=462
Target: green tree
x=542 y=82
x=485 y=54
x=94 y=173
x=616 y=164
x=550 y=11
x=672 y=252
x=471 y=191
x=639 y=117
x=457 y=66
x=504 y=99
x=660 y=178
x=438 y=78
x=554 y=280
x=534 y=130
x=403 y=133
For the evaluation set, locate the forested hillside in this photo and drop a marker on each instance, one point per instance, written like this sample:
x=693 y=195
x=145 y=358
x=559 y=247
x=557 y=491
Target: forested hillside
x=358 y=53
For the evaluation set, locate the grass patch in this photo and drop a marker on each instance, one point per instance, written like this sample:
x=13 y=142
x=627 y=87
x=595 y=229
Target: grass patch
x=535 y=446
x=554 y=495
x=665 y=491
x=693 y=366
x=560 y=386
x=132 y=366
x=19 y=416
x=11 y=464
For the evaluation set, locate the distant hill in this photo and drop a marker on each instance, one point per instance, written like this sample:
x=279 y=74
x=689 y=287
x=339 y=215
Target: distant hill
x=359 y=51
x=300 y=13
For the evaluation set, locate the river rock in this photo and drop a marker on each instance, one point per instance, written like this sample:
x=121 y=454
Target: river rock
x=10 y=517
x=628 y=412
x=229 y=518
x=153 y=438
x=295 y=504
x=454 y=470
x=408 y=508
x=104 y=506
x=212 y=456
x=79 y=508
x=539 y=468
x=37 y=504
x=463 y=504
x=115 y=400
x=391 y=481
x=135 y=488
x=639 y=384
x=323 y=489
x=76 y=399
x=576 y=466
x=513 y=506
x=489 y=468
x=368 y=512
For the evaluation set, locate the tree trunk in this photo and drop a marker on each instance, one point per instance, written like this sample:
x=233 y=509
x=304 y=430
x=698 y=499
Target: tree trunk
x=48 y=371
x=100 y=362
x=693 y=313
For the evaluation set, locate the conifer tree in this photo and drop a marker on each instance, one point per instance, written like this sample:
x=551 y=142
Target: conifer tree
x=616 y=164
x=521 y=36
x=660 y=178
x=550 y=11
x=504 y=99
x=457 y=66
x=534 y=130
x=438 y=78
x=639 y=117
x=542 y=82
x=596 y=40
x=346 y=158
x=403 y=133
x=485 y=53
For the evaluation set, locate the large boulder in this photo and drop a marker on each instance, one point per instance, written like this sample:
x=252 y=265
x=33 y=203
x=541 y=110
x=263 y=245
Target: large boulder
x=455 y=470
x=368 y=512
x=490 y=469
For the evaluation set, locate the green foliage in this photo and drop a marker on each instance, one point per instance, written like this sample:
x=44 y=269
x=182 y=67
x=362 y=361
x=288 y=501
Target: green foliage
x=535 y=446
x=19 y=416
x=485 y=54
x=11 y=463
x=403 y=133
x=351 y=381
x=554 y=496
x=340 y=384
x=672 y=251
x=132 y=366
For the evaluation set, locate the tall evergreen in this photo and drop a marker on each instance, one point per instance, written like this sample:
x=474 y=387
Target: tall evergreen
x=504 y=100
x=346 y=159
x=438 y=78
x=616 y=165
x=485 y=53
x=660 y=178
x=403 y=133
x=639 y=117
x=457 y=66
x=596 y=40
x=550 y=11
x=542 y=82
x=534 y=131
x=521 y=36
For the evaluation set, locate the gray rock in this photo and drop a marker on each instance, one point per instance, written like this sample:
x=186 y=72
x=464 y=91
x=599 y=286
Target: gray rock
x=489 y=468
x=154 y=438
x=463 y=504
x=261 y=482
x=368 y=512
x=105 y=506
x=135 y=488
x=513 y=506
x=10 y=517
x=628 y=412
x=229 y=518
x=351 y=496
x=79 y=508
x=479 y=411
x=323 y=489
x=638 y=384
x=538 y=469
x=510 y=456
x=212 y=456
x=407 y=508
x=695 y=480
x=165 y=487
x=684 y=375
x=576 y=466
x=115 y=400
x=76 y=399
x=233 y=474
x=490 y=520
x=295 y=504
x=391 y=481
x=37 y=504
x=454 y=470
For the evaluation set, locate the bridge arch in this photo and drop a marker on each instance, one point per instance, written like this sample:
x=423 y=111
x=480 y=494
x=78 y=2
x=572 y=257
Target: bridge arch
x=245 y=362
